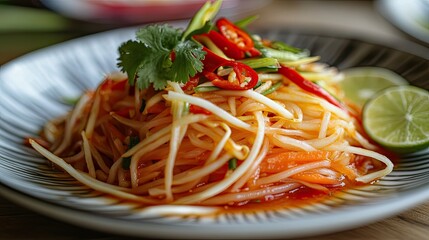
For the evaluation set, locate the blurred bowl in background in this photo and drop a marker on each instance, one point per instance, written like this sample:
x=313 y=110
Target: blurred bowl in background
x=143 y=11
x=411 y=16
x=422 y=9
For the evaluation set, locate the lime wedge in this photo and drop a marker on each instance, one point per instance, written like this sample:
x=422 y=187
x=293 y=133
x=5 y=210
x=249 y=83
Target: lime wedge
x=398 y=118
x=361 y=83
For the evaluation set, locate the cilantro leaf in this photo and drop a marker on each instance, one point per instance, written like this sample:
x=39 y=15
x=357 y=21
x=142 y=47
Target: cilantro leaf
x=159 y=37
x=187 y=62
x=152 y=70
x=129 y=60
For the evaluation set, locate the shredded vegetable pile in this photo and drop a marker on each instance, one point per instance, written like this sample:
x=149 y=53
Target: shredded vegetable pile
x=212 y=115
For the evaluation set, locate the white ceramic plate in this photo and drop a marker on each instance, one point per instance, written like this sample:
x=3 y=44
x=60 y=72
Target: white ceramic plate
x=32 y=89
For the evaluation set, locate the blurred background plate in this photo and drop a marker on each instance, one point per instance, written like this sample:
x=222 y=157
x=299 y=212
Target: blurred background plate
x=411 y=16
x=141 y=11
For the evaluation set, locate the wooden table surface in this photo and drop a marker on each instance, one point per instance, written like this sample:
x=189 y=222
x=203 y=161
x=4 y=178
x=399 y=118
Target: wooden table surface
x=350 y=18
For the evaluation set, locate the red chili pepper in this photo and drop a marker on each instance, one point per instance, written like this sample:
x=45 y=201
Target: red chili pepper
x=198 y=110
x=172 y=56
x=246 y=77
x=309 y=86
x=191 y=83
x=212 y=61
x=234 y=34
x=229 y=48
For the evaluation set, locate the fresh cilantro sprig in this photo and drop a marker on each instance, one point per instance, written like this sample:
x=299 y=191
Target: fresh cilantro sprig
x=159 y=55
x=162 y=53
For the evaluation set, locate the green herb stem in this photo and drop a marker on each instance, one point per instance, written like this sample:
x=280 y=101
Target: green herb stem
x=142 y=106
x=232 y=164
x=273 y=88
x=285 y=47
x=243 y=23
x=206 y=13
x=282 y=55
x=200 y=89
x=266 y=62
x=126 y=161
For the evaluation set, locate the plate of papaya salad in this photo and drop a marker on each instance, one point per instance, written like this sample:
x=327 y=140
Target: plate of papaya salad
x=208 y=129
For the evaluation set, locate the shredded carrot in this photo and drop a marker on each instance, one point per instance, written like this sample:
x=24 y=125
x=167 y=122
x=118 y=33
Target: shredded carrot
x=315 y=177
x=348 y=172
x=110 y=137
x=278 y=162
x=114 y=132
x=100 y=143
x=125 y=111
x=156 y=108
x=114 y=85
